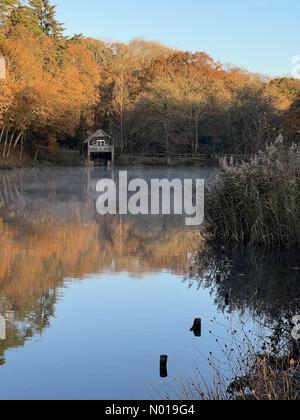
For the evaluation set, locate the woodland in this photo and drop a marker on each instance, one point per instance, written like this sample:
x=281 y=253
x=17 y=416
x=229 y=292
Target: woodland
x=150 y=98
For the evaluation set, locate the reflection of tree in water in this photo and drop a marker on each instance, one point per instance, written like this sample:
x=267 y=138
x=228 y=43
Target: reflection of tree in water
x=39 y=251
x=50 y=232
x=264 y=283
x=25 y=322
x=140 y=251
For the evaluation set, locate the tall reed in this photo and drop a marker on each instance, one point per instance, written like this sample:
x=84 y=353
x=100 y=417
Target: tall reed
x=257 y=203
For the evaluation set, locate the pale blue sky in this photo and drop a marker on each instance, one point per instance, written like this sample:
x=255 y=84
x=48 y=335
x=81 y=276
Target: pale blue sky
x=260 y=35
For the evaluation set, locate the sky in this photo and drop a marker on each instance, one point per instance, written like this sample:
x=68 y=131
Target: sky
x=262 y=36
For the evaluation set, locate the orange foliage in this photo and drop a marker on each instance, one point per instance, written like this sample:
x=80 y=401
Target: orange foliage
x=48 y=86
x=39 y=256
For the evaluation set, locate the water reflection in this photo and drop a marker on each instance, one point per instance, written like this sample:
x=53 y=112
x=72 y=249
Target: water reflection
x=264 y=283
x=2 y=328
x=110 y=294
x=50 y=232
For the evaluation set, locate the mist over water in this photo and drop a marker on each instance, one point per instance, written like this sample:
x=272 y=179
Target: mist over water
x=92 y=302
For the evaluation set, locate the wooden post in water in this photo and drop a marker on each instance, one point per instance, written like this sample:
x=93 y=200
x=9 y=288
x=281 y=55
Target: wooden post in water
x=164 y=366
x=197 y=327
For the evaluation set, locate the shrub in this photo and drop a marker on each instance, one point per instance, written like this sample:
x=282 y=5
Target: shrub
x=258 y=203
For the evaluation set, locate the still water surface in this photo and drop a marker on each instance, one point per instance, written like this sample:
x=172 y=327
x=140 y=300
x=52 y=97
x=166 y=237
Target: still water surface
x=91 y=303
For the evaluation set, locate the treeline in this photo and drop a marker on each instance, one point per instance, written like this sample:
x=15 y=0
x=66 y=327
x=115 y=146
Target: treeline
x=150 y=98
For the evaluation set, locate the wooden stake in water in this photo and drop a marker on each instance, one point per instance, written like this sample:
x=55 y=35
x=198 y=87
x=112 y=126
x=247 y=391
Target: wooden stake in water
x=163 y=366
x=197 y=327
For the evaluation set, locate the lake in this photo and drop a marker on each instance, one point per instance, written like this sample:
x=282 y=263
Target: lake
x=89 y=303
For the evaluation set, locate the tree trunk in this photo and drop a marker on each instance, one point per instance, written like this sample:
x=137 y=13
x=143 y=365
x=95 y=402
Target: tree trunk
x=21 y=148
x=18 y=139
x=36 y=153
x=1 y=135
x=10 y=143
x=191 y=133
x=166 y=128
x=122 y=129
x=196 y=135
x=5 y=143
x=166 y=135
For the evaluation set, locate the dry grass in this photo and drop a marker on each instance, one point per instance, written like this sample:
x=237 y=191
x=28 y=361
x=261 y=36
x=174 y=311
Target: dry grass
x=264 y=383
x=252 y=368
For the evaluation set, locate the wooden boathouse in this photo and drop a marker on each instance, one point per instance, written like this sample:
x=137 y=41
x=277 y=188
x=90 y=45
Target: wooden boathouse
x=100 y=149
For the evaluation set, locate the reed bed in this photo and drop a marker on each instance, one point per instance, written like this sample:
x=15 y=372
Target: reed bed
x=258 y=202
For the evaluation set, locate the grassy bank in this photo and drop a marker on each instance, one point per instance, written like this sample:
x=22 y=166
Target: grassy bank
x=258 y=203
x=14 y=162
x=67 y=158
x=73 y=158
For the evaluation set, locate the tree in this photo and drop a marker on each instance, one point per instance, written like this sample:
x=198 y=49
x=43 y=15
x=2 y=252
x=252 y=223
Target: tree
x=120 y=102
x=45 y=14
x=194 y=101
x=38 y=102
x=148 y=96
x=291 y=121
x=252 y=120
x=153 y=119
x=7 y=7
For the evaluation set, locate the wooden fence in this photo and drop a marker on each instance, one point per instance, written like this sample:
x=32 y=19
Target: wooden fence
x=177 y=158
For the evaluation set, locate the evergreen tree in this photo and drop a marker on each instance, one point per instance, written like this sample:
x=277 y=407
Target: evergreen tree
x=7 y=7
x=45 y=14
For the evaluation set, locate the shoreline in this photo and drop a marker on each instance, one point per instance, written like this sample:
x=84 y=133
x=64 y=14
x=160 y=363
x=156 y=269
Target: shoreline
x=48 y=164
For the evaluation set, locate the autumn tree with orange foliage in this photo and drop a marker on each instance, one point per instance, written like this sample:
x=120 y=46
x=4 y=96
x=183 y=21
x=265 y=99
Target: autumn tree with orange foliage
x=149 y=97
x=51 y=82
